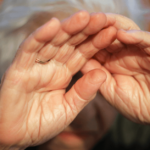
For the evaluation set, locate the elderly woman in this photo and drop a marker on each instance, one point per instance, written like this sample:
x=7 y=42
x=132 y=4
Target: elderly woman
x=37 y=69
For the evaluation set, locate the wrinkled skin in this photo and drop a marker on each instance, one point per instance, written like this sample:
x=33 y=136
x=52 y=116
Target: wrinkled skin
x=122 y=75
x=33 y=104
x=127 y=65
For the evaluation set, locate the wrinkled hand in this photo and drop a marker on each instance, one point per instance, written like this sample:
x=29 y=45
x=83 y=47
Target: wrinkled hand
x=34 y=106
x=126 y=63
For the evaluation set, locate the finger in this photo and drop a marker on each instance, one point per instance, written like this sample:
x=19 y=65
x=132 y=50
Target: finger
x=96 y=23
x=88 y=48
x=27 y=53
x=69 y=27
x=135 y=37
x=120 y=22
x=84 y=90
x=102 y=56
x=42 y=35
x=115 y=47
x=92 y=64
x=107 y=89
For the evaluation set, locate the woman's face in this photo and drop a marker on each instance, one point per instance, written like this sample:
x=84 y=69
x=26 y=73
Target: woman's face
x=87 y=128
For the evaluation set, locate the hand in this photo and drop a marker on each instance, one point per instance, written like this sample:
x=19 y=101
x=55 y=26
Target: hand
x=33 y=104
x=126 y=63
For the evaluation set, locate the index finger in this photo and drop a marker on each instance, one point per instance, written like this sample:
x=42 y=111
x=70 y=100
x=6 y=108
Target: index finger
x=28 y=50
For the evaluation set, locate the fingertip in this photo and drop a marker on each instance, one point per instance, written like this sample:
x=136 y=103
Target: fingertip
x=96 y=23
x=52 y=22
x=121 y=31
x=101 y=17
x=55 y=22
x=92 y=79
x=90 y=65
x=85 y=89
x=97 y=76
x=83 y=17
x=112 y=32
x=89 y=84
x=110 y=19
x=76 y=22
x=47 y=31
x=83 y=14
x=105 y=37
x=129 y=37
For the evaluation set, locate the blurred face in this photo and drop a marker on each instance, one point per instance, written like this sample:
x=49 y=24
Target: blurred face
x=87 y=128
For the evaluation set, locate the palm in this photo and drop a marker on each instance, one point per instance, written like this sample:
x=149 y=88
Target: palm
x=44 y=102
x=130 y=71
x=40 y=108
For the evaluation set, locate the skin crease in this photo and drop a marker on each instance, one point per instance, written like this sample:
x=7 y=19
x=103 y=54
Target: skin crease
x=42 y=98
x=124 y=78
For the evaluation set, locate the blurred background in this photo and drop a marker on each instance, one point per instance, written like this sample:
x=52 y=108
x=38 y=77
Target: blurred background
x=98 y=126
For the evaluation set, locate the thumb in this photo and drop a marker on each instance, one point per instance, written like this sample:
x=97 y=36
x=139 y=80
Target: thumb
x=84 y=90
